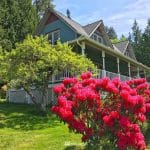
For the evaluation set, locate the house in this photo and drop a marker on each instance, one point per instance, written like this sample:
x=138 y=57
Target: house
x=92 y=41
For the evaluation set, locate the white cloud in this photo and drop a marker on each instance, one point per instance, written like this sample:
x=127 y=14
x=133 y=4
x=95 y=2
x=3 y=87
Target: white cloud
x=139 y=10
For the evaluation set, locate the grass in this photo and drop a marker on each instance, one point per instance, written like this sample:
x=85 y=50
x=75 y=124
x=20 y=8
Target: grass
x=22 y=128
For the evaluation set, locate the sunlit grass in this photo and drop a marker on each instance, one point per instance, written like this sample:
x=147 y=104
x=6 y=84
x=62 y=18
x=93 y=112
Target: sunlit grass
x=21 y=128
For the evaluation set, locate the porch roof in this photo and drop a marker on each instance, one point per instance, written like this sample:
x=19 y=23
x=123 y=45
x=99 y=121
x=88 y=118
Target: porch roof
x=108 y=50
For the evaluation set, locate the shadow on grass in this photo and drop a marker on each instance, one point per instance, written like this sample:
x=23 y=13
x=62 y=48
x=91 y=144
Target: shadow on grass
x=25 y=117
x=147 y=134
x=74 y=147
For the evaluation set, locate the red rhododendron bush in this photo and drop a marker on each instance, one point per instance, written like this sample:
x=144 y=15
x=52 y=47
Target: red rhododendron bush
x=104 y=109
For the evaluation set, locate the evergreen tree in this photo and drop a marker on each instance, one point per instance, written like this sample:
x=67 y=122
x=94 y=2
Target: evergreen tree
x=130 y=37
x=17 y=19
x=42 y=5
x=136 y=33
x=111 y=32
x=147 y=29
x=142 y=50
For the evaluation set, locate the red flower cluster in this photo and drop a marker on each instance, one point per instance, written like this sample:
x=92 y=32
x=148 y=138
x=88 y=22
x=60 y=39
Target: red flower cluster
x=97 y=107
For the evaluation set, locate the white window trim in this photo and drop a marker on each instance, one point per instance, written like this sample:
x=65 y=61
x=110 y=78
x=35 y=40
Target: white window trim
x=52 y=34
x=97 y=37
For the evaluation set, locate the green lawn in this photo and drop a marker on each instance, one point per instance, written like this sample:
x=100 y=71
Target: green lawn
x=21 y=128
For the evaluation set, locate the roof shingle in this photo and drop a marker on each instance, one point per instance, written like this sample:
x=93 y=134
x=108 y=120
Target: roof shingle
x=90 y=27
x=72 y=23
x=122 y=46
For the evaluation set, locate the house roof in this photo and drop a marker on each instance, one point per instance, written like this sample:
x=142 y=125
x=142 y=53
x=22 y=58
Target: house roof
x=122 y=46
x=89 y=28
x=83 y=30
x=77 y=27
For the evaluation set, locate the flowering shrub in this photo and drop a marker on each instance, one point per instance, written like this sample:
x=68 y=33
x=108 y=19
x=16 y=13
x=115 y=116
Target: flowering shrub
x=105 y=109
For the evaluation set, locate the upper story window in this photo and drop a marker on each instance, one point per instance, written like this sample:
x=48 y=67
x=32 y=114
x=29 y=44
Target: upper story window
x=97 y=37
x=127 y=53
x=54 y=36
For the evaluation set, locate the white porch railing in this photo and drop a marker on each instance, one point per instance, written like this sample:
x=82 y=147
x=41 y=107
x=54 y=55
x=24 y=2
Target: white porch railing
x=97 y=74
x=111 y=75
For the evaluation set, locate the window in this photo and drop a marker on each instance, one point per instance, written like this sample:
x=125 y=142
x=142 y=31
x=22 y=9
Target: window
x=54 y=36
x=97 y=38
x=127 y=53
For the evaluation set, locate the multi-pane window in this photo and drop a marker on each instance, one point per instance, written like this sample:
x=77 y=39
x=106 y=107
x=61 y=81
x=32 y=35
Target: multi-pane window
x=97 y=38
x=54 y=36
x=127 y=53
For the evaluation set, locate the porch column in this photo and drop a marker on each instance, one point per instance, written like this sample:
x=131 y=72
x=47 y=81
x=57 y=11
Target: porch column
x=103 y=68
x=118 y=67
x=138 y=72
x=145 y=74
x=129 y=69
x=83 y=48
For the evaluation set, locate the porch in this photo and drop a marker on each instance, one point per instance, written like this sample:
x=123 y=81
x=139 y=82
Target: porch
x=111 y=63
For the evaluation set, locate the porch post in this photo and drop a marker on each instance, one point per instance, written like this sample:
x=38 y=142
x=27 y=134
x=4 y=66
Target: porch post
x=118 y=67
x=83 y=48
x=103 y=69
x=129 y=69
x=145 y=74
x=138 y=72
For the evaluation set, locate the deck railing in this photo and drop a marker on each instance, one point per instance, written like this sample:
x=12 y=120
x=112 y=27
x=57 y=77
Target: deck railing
x=97 y=74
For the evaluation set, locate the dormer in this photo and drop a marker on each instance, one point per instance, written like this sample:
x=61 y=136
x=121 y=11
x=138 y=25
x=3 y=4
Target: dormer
x=96 y=32
x=125 y=48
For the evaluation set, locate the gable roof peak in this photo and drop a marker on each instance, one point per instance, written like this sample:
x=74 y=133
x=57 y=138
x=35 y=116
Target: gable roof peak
x=73 y=24
x=98 y=21
x=122 y=45
x=89 y=28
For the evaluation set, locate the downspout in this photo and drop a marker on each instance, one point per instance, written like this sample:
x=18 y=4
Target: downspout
x=82 y=47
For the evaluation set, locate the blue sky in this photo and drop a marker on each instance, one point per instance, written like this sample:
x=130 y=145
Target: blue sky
x=117 y=13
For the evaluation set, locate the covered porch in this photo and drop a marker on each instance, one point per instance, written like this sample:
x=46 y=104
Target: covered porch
x=111 y=63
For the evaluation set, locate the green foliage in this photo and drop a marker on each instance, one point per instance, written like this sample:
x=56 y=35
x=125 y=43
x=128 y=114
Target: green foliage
x=3 y=67
x=117 y=40
x=17 y=19
x=141 y=43
x=35 y=61
x=35 y=58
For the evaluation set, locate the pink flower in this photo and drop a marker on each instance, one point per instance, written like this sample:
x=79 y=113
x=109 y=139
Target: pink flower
x=108 y=121
x=59 y=89
x=111 y=88
x=86 y=75
x=124 y=122
x=114 y=114
x=68 y=81
x=147 y=105
x=141 y=117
